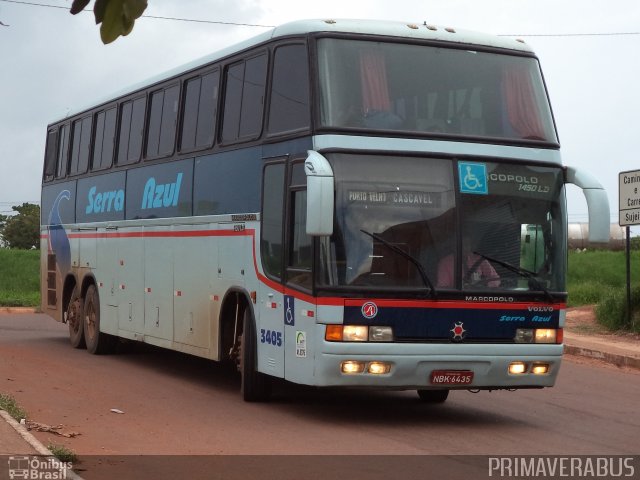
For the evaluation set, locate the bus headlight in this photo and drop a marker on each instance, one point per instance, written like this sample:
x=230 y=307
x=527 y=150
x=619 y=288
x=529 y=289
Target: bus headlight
x=380 y=334
x=545 y=335
x=538 y=335
x=355 y=333
x=358 y=333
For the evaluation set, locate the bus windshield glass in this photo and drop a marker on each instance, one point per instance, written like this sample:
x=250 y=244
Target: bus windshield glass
x=432 y=91
x=511 y=228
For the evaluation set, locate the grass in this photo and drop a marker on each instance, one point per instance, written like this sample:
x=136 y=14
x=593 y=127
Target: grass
x=9 y=404
x=62 y=453
x=596 y=274
x=19 y=278
x=594 y=277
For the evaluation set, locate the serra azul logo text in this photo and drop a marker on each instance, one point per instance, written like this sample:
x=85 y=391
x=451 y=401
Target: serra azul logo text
x=155 y=195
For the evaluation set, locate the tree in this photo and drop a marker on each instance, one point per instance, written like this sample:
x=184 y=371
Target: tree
x=117 y=16
x=21 y=230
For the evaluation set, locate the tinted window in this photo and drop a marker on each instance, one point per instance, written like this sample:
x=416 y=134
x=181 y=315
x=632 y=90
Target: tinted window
x=272 y=205
x=207 y=110
x=432 y=90
x=63 y=151
x=289 y=90
x=244 y=99
x=80 y=148
x=50 y=155
x=232 y=101
x=104 y=139
x=162 y=122
x=253 y=97
x=131 y=126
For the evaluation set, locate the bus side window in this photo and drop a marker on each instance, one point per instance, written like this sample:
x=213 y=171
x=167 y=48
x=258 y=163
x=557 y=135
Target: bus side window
x=131 y=130
x=81 y=135
x=272 y=213
x=244 y=99
x=289 y=107
x=300 y=257
x=63 y=151
x=200 y=109
x=104 y=140
x=50 y=155
x=162 y=122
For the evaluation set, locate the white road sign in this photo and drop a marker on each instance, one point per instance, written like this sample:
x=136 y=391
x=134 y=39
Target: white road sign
x=629 y=198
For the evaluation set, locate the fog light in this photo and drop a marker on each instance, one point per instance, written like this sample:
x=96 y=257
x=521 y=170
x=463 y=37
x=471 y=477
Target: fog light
x=379 y=368
x=517 y=368
x=540 y=368
x=380 y=334
x=352 y=366
x=545 y=335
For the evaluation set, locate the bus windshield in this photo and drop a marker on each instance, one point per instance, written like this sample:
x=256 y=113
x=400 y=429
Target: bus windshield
x=511 y=225
x=432 y=91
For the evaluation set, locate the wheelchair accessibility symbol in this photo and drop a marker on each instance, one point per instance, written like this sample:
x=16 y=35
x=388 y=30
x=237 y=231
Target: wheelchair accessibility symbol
x=473 y=178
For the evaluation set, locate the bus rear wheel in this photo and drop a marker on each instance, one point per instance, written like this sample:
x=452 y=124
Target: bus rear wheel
x=97 y=342
x=254 y=386
x=75 y=319
x=433 y=396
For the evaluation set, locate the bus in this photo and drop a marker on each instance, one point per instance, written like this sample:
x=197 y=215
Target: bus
x=335 y=203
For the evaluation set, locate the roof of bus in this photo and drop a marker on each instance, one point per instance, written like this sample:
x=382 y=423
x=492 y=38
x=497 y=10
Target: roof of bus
x=420 y=31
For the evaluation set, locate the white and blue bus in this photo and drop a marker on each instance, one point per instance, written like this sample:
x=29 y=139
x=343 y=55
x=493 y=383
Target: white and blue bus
x=334 y=203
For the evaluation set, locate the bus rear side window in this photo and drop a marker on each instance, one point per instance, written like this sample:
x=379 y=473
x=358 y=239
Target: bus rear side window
x=50 y=155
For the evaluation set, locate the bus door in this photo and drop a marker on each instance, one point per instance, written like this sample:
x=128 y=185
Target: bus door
x=270 y=312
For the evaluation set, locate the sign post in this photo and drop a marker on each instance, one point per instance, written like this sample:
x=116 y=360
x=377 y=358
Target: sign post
x=629 y=214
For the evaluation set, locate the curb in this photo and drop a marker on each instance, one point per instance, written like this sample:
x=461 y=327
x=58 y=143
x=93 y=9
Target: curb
x=24 y=433
x=34 y=442
x=615 y=359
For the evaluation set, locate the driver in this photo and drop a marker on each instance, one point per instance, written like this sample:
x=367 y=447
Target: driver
x=475 y=271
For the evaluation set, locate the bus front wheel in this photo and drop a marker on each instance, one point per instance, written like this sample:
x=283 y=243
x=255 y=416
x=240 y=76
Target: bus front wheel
x=433 y=396
x=97 y=342
x=254 y=386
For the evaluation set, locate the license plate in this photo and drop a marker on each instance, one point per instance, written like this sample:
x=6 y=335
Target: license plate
x=451 y=377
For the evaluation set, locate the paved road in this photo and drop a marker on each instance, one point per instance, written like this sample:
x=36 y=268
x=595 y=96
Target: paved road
x=177 y=404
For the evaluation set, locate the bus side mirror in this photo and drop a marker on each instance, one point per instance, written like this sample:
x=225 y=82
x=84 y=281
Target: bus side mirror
x=597 y=202
x=320 y=188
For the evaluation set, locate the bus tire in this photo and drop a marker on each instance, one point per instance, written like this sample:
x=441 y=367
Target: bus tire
x=75 y=319
x=433 y=396
x=98 y=343
x=254 y=386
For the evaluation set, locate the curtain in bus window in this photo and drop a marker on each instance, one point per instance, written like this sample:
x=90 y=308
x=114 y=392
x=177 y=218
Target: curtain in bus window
x=520 y=98
x=373 y=77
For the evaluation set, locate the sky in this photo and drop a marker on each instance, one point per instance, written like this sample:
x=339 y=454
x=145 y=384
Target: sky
x=53 y=62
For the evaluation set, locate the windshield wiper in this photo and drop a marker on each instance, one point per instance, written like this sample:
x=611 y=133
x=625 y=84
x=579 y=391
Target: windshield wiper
x=413 y=260
x=523 y=272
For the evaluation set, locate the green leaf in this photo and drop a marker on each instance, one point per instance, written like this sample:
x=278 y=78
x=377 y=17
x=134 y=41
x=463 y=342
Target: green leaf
x=134 y=8
x=78 y=5
x=119 y=18
x=98 y=10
